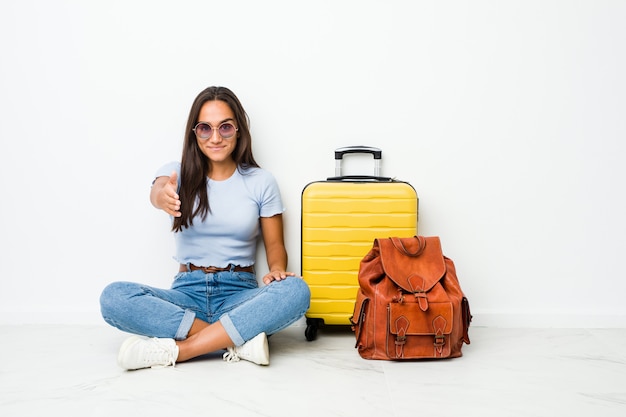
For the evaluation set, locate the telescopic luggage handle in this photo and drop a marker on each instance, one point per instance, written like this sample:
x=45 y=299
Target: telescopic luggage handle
x=375 y=152
x=340 y=152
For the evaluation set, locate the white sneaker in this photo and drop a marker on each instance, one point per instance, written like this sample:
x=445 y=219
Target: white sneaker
x=141 y=352
x=255 y=350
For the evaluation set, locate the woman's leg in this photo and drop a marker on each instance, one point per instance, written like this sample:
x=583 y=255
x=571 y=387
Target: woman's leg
x=271 y=308
x=149 y=311
x=197 y=326
x=244 y=313
x=210 y=338
x=267 y=309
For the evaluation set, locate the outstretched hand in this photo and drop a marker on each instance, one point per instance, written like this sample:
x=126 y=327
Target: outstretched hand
x=168 y=199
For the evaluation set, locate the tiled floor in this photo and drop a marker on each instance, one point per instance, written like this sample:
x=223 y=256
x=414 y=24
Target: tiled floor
x=70 y=370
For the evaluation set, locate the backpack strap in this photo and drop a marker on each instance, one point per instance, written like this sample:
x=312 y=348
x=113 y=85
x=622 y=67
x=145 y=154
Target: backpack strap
x=398 y=243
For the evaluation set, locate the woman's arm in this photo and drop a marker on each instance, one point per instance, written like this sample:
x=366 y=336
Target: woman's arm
x=273 y=239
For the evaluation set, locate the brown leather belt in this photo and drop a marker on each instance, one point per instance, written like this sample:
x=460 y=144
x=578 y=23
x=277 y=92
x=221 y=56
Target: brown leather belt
x=214 y=269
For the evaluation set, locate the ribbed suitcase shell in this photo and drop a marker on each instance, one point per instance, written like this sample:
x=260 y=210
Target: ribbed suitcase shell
x=340 y=220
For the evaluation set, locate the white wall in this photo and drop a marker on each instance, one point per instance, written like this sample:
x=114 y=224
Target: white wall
x=506 y=116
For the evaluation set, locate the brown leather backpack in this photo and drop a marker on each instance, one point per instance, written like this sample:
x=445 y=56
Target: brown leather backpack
x=409 y=304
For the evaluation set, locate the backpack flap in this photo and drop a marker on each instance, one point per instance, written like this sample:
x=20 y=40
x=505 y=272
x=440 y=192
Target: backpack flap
x=414 y=264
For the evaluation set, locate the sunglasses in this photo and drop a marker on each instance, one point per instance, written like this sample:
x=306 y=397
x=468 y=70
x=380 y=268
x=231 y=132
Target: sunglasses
x=204 y=130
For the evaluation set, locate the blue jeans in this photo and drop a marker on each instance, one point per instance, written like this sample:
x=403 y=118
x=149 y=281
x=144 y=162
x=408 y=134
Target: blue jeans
x=233 y=298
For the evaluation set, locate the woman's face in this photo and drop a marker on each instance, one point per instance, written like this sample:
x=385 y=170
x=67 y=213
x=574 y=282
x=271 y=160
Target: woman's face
x=216 y=148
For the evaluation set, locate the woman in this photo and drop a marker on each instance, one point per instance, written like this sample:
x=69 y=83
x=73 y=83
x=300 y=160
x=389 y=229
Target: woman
x=220 y=201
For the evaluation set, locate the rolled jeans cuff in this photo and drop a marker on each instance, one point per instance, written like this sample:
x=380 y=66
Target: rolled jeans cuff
x=185 y=325
x=231 y=330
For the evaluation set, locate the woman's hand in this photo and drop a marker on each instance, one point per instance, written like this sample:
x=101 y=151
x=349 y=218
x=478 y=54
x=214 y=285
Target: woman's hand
x=164 y=196
x=276 y=276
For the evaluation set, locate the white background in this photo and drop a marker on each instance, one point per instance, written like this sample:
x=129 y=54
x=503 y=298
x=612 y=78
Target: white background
x=508 y=117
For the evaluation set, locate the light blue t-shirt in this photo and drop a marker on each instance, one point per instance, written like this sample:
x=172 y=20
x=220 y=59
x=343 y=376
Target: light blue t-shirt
x=230 y=231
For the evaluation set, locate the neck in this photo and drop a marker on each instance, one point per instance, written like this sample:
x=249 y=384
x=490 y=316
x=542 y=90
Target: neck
x=222 y=171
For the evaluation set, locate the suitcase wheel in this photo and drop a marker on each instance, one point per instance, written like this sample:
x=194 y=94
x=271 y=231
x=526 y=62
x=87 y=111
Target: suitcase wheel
x=312 y=325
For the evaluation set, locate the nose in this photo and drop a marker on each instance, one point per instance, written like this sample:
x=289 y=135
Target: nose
x=215 y=136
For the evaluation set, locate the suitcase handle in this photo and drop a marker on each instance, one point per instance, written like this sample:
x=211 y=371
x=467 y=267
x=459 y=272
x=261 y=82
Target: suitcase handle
x=340 y=152
x=360 y=178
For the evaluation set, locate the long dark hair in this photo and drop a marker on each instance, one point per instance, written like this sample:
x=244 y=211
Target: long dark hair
x=195 y=166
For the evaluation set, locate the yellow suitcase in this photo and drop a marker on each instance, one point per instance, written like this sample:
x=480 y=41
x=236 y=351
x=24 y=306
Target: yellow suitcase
x=341 y=217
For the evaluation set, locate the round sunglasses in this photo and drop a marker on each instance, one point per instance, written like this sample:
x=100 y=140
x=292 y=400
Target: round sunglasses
x=204 y=130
